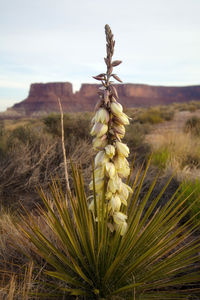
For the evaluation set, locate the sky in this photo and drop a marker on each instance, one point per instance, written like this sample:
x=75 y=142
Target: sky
x=64 y=40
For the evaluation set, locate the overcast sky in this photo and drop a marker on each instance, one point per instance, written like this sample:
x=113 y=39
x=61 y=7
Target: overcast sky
x=63 y=40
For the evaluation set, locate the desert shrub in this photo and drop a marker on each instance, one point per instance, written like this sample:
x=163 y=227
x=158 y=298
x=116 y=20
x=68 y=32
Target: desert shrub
x=166 y=113
x=75 y=126
x=135 y=139
x=23 y=134
x=191 y=106
x=192 y=125
x=154 y=115
x=151 y=116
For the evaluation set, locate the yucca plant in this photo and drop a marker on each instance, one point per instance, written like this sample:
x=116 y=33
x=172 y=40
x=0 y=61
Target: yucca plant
x=110 y=248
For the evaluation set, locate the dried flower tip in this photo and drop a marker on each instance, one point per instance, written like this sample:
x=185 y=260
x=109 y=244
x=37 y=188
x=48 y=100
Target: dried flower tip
x=122 y=149
x=116 y=63
x=98 y=78
x=116 y=77
x=114 y=91
x=116 y=108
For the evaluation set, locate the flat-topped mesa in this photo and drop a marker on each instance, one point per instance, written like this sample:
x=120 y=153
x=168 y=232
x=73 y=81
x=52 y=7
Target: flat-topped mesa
x=43 y=97
x=58 y=89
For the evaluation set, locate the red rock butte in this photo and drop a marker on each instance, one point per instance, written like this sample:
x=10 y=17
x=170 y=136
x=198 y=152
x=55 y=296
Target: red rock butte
x=43 y=96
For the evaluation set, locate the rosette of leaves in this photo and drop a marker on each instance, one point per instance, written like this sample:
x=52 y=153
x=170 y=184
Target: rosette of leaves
x=157 y=258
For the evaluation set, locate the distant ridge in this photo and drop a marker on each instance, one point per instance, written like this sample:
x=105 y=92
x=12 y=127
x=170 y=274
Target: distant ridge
x=42 y=97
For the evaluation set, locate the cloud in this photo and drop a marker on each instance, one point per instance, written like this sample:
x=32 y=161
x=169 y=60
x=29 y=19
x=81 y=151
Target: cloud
x=49 y=40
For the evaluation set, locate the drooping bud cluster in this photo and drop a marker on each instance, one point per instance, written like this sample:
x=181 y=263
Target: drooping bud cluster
x=108 y=128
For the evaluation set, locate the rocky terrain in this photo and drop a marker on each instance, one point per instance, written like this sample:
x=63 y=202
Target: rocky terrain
x=42 y=97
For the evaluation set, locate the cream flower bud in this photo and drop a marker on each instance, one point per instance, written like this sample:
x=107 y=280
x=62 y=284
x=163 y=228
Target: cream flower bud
x=110 y=169
x=99 y=129
x=122 y=166
x=101 y=158
x=115 y=203
x=99 y=173
x=119 y=217
x=99 y=143
x=108 y=195
x=110 y=150
x=122 y=228
x=124 y=192
x=120 y=130
x=116 y=108
x=102 y=116
x=99 y=184
x=124 y=185
x=103 y=130
x=114 y=184
x=123 y=118
x=122 y=149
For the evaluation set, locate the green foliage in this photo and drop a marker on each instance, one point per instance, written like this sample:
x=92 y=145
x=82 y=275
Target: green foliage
x=191 y=190
x=155 y=115
x=75 y=125
x=167 y=113
x=151 y=116
x=192 y=125
x=187 y=106
x=160 y=157
x=154 y=260
x=23 y=134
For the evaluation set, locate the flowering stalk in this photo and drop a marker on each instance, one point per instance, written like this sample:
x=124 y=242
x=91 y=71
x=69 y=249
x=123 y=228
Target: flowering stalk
x=108 y=128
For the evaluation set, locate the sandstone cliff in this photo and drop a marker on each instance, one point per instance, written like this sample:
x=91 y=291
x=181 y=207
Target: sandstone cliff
x=42 y=97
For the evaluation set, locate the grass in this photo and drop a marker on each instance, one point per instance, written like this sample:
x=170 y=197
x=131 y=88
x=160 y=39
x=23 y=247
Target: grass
x=192 y=126
x=154 y=115
x=191 y=190
x=179 y=152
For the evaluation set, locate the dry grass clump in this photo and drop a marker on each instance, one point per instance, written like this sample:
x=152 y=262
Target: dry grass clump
x=192 y=125
x=18 y=275
x=187 y=106
x=176 y=151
